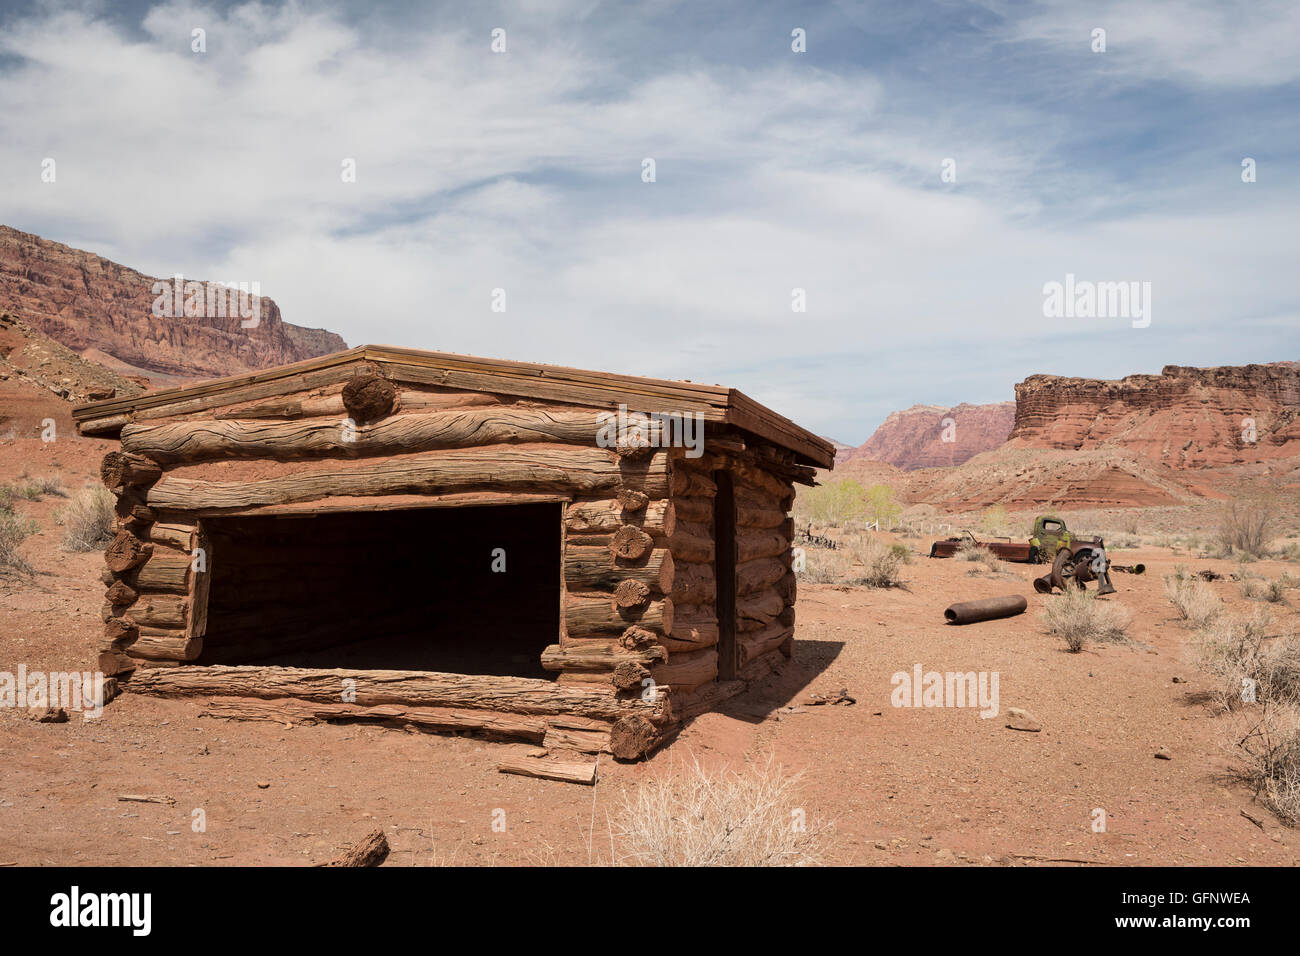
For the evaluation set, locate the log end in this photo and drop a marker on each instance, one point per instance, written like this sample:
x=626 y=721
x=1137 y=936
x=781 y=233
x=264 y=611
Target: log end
x=369 y=398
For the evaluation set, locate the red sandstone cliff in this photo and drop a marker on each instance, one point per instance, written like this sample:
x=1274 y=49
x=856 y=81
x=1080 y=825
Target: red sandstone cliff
x=929 y=436
x=1182 y=418
x=99 y=308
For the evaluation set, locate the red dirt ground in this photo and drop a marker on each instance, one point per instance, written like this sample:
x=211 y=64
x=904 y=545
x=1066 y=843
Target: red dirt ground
x=896 y=785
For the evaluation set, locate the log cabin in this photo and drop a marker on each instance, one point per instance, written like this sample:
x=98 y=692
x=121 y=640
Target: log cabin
x=580 y=559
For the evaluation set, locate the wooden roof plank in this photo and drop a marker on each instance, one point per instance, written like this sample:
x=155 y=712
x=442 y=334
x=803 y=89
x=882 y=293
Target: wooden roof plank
x=527 y=379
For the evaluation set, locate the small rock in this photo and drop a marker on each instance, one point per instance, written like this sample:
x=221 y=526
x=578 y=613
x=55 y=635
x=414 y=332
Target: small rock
x=263 y=784
x=1164 y=754
x=1018 y=719
x=52 y=715
x=1178 y=680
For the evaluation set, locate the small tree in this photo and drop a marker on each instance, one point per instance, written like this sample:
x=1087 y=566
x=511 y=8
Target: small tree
x=881 y=506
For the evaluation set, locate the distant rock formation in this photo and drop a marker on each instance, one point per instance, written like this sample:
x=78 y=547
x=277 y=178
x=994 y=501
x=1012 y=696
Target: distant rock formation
x=931 y=436
x=99 y=308
x=1181 y=418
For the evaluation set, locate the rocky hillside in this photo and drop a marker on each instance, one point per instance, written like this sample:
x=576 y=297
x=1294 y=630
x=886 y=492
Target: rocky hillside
x=98 y=308
x=930 y=436
x=1181 y=418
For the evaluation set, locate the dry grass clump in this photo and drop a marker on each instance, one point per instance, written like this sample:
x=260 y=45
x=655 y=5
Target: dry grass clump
x=87 y=520
x=1192 y=597
x=715 y=818
x=970 y=551
x=34 y=489
x=859 y=561
x=1079 y=617
x=13 y=529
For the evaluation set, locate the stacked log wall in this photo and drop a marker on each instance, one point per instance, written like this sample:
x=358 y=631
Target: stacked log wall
x=200 y=458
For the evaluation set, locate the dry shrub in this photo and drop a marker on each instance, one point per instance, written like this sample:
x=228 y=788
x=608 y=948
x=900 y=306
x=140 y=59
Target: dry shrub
x=13 y=529
x=970 y=551
x=1245 y=525
x=1192 y=597
x=1258 y=677
x=1079 y=617
x=1266 y=741
x=723 y=818
x=1239 y=653
x=87 y=520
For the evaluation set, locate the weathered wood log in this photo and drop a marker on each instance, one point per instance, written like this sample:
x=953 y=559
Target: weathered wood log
x=596 y=569
x=596 y=656
x=630 y=499
x=758 y=575
x=120 y=469
x=370 y=850
x=688 y=545
x=191 y=441
x=200 y=583
x=158 y=610
x=688 y=670
x=126 y=551
x=113 y=661
x=630 y=542
x=755 y=644
x=178 y=536
x=694 y=627
x=608 y=515
x=519 y=695
x=166 y=571
x=787 y=587
x=564 y=771
x=692 y=484
x=369 y=397
x=757 y=516
x=628 y=675
x=631 y=595
x=329 y=401
x=760 y=479
x=694 y=584
x=758 y=608
x=582 y=741
x=120 y=594
x=165 y=644
x=102 y=426
x=636 y=638
x=132 y=510
x=119 y=632
x=529 y=467
x=590 y=616
x=752 y=544
x=699 y=510
x=292 y=710
x=633 y=737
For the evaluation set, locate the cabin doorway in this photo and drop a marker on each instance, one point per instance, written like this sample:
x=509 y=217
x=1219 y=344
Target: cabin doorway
x=463 y=590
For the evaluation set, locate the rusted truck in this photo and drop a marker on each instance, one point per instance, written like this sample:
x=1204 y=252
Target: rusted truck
x=1075 y=559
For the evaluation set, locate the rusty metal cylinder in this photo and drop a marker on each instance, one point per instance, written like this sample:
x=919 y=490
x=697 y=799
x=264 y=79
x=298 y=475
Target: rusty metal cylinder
x=986 y=609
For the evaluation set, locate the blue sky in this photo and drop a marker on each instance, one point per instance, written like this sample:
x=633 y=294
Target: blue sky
x=775 y=170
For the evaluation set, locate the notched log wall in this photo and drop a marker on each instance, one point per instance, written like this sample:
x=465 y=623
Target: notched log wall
x=218 y=558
